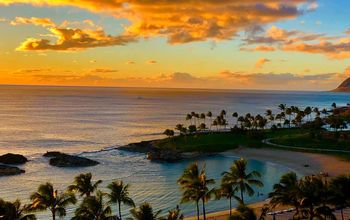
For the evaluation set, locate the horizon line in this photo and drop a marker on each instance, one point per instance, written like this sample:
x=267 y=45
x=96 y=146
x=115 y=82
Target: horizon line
x=153 y=87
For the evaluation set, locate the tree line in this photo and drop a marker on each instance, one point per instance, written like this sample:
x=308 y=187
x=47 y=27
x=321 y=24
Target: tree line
x=287 y=117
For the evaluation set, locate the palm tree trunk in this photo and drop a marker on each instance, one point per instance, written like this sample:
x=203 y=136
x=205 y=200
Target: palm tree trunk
x=120 y=211
x=242 y=198
x=197 y=210
x=203 y=205
x=230 y=206
x=342 y=214
x=53 y=214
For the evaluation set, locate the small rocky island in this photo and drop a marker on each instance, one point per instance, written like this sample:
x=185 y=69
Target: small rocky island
x=59 y=159
x=10 y=170
x=12 y=159
x=157 y=154
x=15 y=159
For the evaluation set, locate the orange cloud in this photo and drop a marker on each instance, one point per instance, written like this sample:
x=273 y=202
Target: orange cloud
x=261 y=62
x=185 y=21
x=104 y=70
x=151 y=62
x=44 y=22
x=334 y=47
x=74 y=39
x=335 y=50
x=129 y=62
x=261 y=48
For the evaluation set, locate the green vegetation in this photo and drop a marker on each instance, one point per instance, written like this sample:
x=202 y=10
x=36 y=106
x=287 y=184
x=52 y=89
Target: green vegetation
x=305 y=141
x=290 y=127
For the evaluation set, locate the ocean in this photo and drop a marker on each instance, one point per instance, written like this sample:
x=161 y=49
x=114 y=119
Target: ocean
x=91 y=122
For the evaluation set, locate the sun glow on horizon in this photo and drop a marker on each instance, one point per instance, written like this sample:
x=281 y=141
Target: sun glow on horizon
x=224 y=45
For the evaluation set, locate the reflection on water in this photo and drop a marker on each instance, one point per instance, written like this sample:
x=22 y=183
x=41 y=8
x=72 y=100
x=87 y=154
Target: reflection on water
x=74 y=120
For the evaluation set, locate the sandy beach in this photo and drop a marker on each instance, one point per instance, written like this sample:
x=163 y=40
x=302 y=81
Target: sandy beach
x=302 y=163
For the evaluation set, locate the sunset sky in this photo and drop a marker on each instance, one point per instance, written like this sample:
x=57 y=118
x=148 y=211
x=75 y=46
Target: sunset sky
x=222 y=44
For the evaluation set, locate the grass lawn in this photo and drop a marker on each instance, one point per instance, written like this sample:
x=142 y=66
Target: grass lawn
x=214 y=142
x=304 y=140
x=219 y=142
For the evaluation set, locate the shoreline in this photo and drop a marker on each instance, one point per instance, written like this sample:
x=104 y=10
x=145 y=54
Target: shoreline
x=296 y=161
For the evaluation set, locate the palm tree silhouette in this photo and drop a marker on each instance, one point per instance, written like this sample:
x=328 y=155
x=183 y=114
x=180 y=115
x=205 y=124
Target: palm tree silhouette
x=144 y=212
x=340 y=192
x=83 y=184
x=210 y=115
x=168 y=132
x=120 y=194
x=228 y=191
x=175 y=214
x=47 y=197
x=94 y=208
x=194 y=185
x=238 y=177
x=287 y=192
x=15 y=211
x=235 y=115
x=189 y=118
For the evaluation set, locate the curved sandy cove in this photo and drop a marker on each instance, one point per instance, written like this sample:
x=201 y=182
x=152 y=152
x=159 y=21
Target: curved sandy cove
x=315 y=163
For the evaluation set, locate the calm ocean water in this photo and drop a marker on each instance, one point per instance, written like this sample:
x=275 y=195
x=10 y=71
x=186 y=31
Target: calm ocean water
x=90 y=121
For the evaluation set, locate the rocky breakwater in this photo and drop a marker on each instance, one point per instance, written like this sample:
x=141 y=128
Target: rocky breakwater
x=59 y=159
x=153 y=152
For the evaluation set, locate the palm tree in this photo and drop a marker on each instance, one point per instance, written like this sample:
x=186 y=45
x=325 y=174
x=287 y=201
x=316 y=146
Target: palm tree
x=15 y=211
x=202 y=116
x=83 y=184
x=238 y=177
x=189 y=118
x=175 y=214
x=235 y=115
x=287 y=192
x=179 y=127
x=340 y=192
x=144 y=212
x=210 y=115
x=282 y=107
x=228 y=191
x=120 y=194
x=194 y=185
x=94 y=208
x=223 y=113
x=334 y=105
x=312 y=198
x=47 y=197
x=170 y=133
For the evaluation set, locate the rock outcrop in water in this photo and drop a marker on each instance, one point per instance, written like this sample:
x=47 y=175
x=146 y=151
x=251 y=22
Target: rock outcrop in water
x=343 y=87
x=13 y=159
x=153 y=153
x=9 y=170
x=59 y=159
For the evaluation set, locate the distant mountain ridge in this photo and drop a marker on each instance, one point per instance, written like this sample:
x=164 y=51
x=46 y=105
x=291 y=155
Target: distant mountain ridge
x=344 y=86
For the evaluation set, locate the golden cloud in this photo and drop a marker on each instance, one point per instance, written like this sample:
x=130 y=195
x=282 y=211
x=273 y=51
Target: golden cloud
x=74 y=39
x=44 y=22
x=185 y=21
x=151 y=62
x=261 y=62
